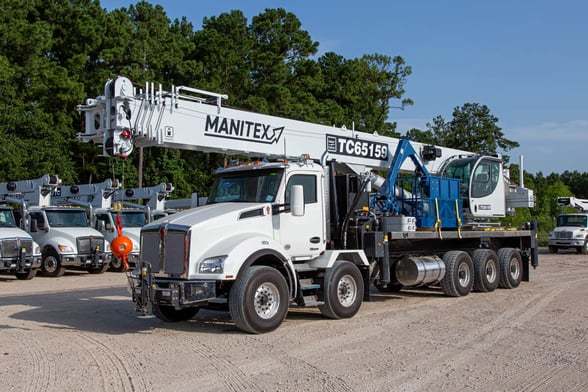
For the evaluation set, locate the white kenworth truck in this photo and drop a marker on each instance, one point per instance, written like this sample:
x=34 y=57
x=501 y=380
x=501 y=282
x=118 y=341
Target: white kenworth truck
x=571 y=231
x=106 y=202
x=63 y=232
x=311 y=223
x=19 y=254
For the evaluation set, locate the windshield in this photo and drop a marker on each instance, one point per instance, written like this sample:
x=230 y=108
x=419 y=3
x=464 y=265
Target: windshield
x=131 y=218
x=246 y=186
x=67 y=218
x=461 y=169
x=572 y=220
x=6 y=218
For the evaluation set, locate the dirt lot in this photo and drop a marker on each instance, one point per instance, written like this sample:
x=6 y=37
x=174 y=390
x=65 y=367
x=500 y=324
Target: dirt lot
x=80 y=333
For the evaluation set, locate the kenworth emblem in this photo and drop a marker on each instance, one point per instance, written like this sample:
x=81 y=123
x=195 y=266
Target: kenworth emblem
x=250 y=131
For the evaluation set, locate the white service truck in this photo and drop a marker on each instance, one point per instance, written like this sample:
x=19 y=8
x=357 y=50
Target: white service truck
x=63 y=232
x=310 y=223
x=571 y=231
x=107 y=203
x=19 y=254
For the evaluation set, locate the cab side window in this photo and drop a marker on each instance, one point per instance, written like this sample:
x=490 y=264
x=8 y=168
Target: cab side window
x=485 y=178
x=37 y=216
x=308 y=182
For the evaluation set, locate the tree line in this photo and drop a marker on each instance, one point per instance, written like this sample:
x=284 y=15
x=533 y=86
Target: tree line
x=54 y=55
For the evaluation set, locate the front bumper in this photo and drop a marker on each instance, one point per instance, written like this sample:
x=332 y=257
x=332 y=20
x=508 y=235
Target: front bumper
x=95 y=260
x=566 y=243
x=180 y=294
x=12 y=264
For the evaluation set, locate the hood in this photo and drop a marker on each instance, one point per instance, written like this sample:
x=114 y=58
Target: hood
x=213 y=213
x=14 y=232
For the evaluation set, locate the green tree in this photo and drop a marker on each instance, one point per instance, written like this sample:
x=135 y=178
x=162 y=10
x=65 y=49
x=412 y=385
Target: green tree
x=472 y=128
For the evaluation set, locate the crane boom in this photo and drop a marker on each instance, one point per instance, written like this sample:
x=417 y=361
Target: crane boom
x=188 y=118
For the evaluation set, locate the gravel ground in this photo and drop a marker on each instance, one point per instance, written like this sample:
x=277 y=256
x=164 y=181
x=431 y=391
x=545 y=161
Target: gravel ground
x=80 y=333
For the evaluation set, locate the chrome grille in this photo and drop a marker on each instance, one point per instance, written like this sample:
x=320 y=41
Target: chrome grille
x=10 y=248
x=168 y=257
x=150 y=249
x=89 y=244
x=563 y=235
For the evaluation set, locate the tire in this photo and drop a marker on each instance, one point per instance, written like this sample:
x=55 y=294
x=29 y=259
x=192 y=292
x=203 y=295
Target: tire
x=459 y=274
x=171 y=315
x=486 y=270
x=99 y=270
x=28 y=275
x=552 y=249
x=51 y=265
x=343 y=291
x=583 y=250
x=116 y=265
x=258 y=300
x=511 y=268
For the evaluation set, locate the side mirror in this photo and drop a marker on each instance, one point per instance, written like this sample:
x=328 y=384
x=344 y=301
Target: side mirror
x=34 y=227
x=100 y=225
x=297 y=200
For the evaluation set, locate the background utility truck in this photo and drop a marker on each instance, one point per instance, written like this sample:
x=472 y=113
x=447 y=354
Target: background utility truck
x=571 y=231
x=311 y=223
x=107 y=202
x=19 y=254
x=62 y=232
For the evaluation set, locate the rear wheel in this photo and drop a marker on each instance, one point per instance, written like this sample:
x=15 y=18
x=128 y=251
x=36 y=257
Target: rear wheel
x=172 y=315
x=486 y=270
x=343 y=291
x=511 y=268
x=258 y=301
x=459 y=268
x=51 y=265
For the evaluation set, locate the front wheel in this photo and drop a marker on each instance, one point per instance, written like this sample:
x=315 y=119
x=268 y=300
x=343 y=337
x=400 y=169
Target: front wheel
x=27 y=275
x=343 y=291
x=98 y=270
x=116 y=265
x=172 y=315
x=258 y=301
x=51 y=265
x=583 y=250
x=458 y=280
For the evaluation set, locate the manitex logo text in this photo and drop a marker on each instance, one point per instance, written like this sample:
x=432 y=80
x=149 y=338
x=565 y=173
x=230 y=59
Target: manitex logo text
x=250 y=131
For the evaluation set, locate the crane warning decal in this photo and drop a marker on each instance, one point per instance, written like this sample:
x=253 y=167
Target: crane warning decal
x=250 y=131
x=356 y=147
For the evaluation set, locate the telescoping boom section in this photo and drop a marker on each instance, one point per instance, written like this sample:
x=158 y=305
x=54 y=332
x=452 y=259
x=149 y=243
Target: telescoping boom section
x=309 y=221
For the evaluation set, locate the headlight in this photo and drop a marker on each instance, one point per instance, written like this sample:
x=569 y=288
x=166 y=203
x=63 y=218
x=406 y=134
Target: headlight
x=65 y=248
x=36 y=250
x=106 y=246
x=213 y=265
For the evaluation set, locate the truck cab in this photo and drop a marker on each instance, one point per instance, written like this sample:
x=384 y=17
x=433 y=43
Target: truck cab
x=571 y=232
x=67 y=240
x=19 y=254
x=132 y=220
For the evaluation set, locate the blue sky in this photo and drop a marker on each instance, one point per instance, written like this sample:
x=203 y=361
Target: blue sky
x=526 y=60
